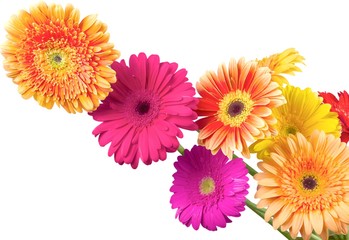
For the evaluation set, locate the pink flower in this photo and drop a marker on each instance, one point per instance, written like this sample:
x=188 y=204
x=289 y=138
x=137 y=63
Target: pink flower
x=208 y=188
x=143 y=115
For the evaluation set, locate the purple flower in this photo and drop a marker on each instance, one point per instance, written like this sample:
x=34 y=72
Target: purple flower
x=207 y=188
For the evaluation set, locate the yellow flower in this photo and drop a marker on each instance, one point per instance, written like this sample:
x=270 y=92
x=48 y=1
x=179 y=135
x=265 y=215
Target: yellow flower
x=57 y=59
x=304 y=112
x=282 y=63
x=305 y=185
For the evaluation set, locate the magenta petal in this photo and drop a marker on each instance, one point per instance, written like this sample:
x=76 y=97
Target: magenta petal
x=226 y=199
x=126 y=143
x=135 y=116
x=138 y=66
x=208 y=219
x=105 y=138
x=143 y=146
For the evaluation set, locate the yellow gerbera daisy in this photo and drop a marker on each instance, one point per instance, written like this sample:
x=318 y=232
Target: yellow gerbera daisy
x=304 y=112
x=305 y=185
x=282 y=63
x=57 y=59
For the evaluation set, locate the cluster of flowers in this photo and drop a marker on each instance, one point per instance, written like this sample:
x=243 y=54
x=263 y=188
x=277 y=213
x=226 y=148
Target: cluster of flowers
x=245 y=107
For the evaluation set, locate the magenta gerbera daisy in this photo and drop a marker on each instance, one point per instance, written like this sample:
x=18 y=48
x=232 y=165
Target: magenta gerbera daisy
x=143 y=115
x=207 y=188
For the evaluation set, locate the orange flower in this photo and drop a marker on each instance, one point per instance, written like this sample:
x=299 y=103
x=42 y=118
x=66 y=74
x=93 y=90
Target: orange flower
x=236 y=104
x=55 y=59
x=305 y=185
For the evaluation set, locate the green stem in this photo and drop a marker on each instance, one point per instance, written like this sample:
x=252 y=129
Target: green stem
x=335 y=237
x=315 y=237
x=260 y=213
x=180 y=149
x=251 y=171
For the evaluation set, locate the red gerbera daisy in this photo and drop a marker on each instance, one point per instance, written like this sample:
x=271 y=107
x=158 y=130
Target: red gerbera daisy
x=341 y=106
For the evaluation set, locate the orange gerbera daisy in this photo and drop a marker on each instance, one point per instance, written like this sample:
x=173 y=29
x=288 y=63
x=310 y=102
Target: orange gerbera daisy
x=305 y=185
x=282 y=63
x=56 y=59
x=236 y=104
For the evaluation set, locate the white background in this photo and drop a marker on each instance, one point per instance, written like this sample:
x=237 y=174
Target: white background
x=55 y=180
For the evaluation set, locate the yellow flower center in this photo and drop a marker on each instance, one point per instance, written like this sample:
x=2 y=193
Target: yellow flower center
x=57 y=65
x=288 y=129
x=207 y=186
x=57 y=59
x=235 y=108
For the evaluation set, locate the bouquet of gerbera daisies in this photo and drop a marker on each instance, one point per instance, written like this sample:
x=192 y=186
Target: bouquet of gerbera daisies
x=245 y=107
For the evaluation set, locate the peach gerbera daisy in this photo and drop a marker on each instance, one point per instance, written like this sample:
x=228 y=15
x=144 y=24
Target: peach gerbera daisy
x=305 y=185
x=57 y=59
x=282 y=63
x=236 y=104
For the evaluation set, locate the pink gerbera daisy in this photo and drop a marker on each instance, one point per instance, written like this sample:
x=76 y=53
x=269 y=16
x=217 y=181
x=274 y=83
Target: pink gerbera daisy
x=143 y=115
x=208 y=188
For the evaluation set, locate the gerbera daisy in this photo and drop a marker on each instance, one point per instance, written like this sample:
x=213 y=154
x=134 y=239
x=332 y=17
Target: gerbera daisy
x=207 y=188
x=282 y=63
x=305 y=185
x=57 y=59
x=304 y=112
x=142 y=117
x=236 y=104
x=341 y=106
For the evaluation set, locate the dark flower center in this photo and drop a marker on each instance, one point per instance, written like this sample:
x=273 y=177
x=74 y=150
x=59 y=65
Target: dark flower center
x=309 y=183
x=57 y=58
x=235 y=108
x=143 y=107
x=291 y=130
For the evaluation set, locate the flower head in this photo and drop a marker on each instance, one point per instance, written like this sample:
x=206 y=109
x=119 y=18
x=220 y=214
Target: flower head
x=304 y=112
x=305 y=185
x=207 y=188
x=236 y=104
x=282 y=63
x=341 y=106
x=142 y=117
x=57 y=59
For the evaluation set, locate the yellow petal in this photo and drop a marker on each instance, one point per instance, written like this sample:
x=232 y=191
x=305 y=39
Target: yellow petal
x=86 y=103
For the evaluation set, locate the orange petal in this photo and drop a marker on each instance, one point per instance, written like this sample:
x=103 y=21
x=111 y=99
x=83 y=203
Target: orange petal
x=87 y=22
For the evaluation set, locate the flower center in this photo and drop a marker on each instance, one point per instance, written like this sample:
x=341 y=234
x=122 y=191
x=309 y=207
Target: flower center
x=57 y=59
x=234 y=108
x=207 y=186
x=309 y=183
x=143 y=107
x=290 y=130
